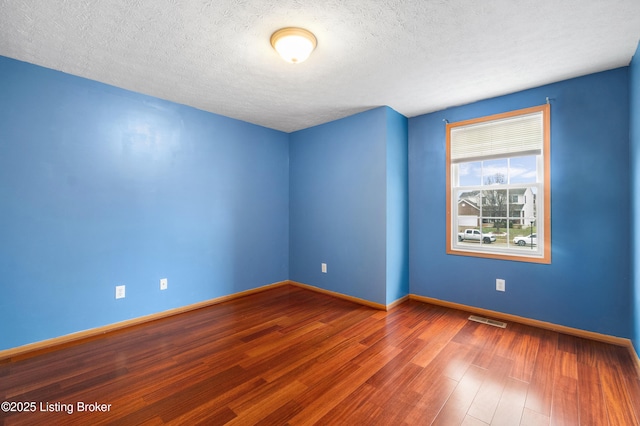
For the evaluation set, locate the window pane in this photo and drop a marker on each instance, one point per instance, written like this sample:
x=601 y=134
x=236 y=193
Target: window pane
x=495 y=171
x=520 y=232
x=523 y=235
x=523 y=169
x=469 y=174
x=468 y=209
x=522 y=203
x=494 y=214
x=494 y=203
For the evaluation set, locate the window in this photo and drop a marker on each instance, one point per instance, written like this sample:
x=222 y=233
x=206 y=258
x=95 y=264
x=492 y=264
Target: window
x=498 y=186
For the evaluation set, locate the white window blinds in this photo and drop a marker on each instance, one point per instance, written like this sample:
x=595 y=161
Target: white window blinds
x=508 y=137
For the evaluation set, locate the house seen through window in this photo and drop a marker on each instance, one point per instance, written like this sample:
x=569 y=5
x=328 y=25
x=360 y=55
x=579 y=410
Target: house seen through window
x=498 y=189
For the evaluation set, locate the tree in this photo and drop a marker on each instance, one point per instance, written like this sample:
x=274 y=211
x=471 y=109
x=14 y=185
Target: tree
x=494 y=201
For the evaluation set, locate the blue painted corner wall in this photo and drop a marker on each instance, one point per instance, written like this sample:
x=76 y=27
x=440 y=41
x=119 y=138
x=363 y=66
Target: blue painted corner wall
x=587 y=285
x=101 y=187
x=397 y=243
x=634 y=84
x=345 y=180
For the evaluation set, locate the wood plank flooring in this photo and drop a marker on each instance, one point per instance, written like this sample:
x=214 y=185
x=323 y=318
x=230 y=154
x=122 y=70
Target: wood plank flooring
x=290 y=356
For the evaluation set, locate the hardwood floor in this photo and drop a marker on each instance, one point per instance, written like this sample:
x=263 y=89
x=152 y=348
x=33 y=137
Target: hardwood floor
x=292 y=356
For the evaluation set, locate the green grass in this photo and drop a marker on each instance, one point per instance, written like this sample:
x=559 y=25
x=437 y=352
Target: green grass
x=513 y=232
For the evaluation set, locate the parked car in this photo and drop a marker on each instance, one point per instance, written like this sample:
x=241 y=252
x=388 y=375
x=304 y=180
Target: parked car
x=476 y=235
x=528 y=240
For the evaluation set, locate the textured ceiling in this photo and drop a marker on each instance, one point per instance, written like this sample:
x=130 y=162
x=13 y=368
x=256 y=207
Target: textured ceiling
x=416 y=56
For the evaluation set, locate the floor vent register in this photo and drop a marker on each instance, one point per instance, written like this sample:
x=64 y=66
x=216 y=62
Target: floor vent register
x=488 y=321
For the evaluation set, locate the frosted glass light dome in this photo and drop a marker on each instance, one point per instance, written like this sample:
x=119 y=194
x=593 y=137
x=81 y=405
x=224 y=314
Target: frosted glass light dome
x=293 y=44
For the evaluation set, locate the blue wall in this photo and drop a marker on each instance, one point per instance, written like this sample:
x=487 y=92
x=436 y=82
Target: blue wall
x=397 y=207
x=634 y=84
x=348 y=183
x=587 y=285
x=338 y=205
x=100 y=187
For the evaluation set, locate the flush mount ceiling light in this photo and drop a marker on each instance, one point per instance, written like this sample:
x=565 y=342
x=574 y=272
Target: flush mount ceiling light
x=293 y=44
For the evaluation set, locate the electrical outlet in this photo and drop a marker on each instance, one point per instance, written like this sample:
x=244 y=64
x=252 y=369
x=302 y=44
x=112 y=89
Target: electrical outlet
x=324 y=268
x=500 y=284
x=120 y=292
x=163 y=283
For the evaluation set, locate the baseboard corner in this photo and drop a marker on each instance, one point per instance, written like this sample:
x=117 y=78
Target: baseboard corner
x=353 y=299
x=398 y=302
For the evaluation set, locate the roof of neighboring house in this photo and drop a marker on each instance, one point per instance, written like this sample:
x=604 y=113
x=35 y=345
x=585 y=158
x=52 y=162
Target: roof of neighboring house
x=468 y=201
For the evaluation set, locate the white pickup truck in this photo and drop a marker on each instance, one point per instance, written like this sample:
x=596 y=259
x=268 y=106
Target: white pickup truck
x=476 y=235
